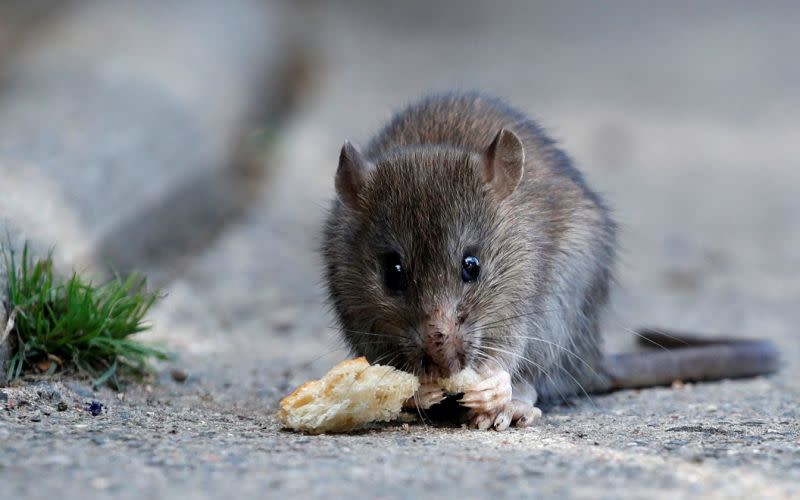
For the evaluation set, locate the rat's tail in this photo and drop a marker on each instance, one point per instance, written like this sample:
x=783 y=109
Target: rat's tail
x=689 y=358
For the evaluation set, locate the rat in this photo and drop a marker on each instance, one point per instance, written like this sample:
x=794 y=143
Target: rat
x=462 y=237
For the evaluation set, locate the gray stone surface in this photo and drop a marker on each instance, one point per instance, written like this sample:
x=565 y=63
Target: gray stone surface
x=121 y=124
x=672 y=112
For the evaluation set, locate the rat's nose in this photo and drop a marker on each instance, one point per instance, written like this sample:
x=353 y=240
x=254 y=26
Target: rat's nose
x=442 y=343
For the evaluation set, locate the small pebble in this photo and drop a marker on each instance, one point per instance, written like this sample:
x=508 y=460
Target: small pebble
x=178 y=375
x=36 y=418
x=95 y=408
x=62 y=406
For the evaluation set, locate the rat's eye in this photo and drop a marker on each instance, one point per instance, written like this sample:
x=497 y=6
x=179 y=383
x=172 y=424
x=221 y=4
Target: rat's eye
x=393 y=272
x=470 y=268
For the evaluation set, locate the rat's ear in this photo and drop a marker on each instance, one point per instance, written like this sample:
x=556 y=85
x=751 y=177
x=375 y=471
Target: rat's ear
x=351 y=175
x=503 y=163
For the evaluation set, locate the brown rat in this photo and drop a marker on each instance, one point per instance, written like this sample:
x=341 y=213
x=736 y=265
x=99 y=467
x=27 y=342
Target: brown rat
x=463 y=237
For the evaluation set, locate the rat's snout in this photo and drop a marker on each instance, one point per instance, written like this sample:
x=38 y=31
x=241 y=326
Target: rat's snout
x=442 y=344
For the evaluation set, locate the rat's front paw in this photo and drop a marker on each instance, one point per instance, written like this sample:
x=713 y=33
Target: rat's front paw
x=489 y=394
x=428 y=394
x=514 y=412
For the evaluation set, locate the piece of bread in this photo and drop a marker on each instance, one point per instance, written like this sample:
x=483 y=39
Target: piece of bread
x=460 y=382
x=352 y=394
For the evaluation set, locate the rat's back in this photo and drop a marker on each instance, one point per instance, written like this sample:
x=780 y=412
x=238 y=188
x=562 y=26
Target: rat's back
x=467 y=120
x=470 y=121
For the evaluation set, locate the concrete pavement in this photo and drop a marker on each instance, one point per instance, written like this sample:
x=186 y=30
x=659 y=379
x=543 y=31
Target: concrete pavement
x=682 y=116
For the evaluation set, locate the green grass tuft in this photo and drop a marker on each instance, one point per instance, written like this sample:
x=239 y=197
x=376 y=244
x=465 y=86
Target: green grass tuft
x=73 y=325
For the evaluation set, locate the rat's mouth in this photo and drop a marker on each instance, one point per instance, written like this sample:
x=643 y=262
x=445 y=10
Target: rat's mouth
x=436 y=353
x=443 y=365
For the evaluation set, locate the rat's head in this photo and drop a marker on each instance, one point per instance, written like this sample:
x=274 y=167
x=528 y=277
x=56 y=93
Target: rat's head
x=425 y=263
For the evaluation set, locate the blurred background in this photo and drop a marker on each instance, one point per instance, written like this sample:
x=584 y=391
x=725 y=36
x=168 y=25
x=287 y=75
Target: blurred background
x=197 y=142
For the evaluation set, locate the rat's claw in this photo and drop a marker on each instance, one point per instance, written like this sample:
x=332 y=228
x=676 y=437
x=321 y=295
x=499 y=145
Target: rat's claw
x=427 y=395
x=516 y=412
x=490 y=393
x=491 y=405
x=481 y=421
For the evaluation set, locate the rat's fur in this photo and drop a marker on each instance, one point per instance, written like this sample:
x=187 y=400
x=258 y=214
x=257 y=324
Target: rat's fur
x=547 y=250
x=465 y=174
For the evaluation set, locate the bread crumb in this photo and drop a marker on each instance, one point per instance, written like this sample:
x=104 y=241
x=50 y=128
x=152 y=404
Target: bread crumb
x=352 y=394
x=460 y=382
